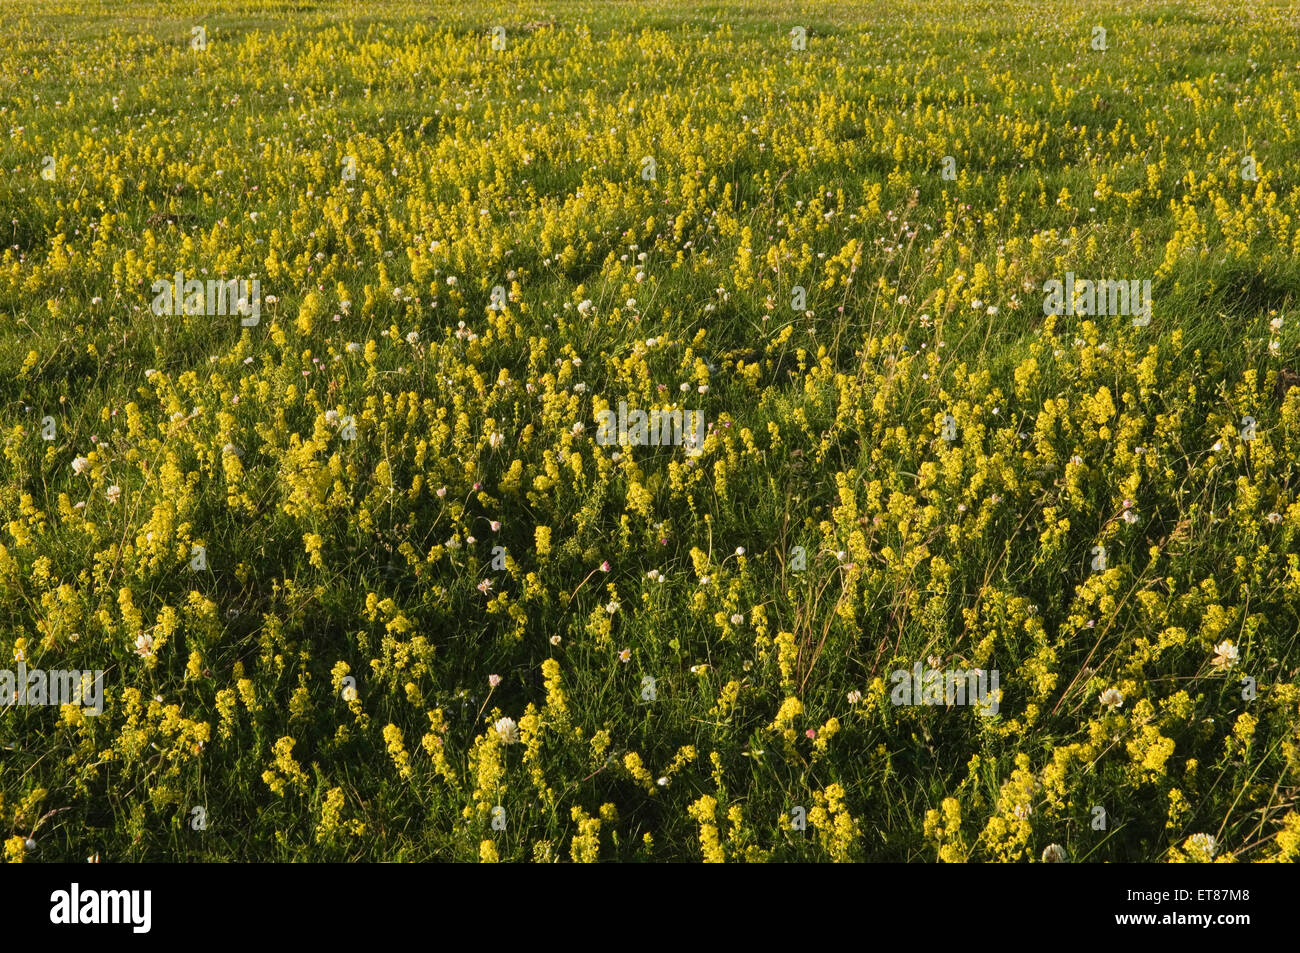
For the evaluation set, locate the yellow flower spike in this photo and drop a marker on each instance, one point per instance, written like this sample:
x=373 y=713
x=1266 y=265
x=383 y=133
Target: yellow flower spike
x=824 y=735
x=396 y=750
x=585 y=845
x=703 y=810
x=330 y=817
x=1287 y=842
x=16 y=846
x=637 y=771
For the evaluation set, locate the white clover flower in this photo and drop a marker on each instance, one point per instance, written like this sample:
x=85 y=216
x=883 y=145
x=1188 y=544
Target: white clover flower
x=737 y=618
x=855 y=696
x=114 y=493
x=612 y=606
x=494 y=681
x=1054 y=854
x=740 y=550
x=413 y=337
x=496 y=439
x=144 y=645
x=1112 y=698
x=585 y=306
x=353 y=347
x=1225 y=655
x=1203 y=844
x=507 y=731
x=79 y=465
x=332 y=417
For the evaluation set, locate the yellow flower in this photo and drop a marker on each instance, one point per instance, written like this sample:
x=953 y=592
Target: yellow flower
x=703 y=810
x=585 y=846
x=396 y=750
x=290 y=772
x=15 y=848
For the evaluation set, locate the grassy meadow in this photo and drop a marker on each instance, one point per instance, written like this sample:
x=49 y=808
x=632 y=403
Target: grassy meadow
x=365 y=583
